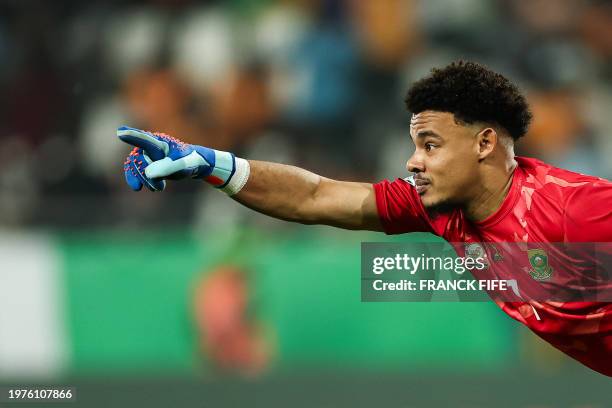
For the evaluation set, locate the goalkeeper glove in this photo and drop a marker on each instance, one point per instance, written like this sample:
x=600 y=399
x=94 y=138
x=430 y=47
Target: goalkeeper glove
x=157 y=157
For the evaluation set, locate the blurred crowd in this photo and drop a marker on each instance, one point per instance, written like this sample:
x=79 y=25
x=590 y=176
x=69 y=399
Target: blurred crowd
x=316 y=83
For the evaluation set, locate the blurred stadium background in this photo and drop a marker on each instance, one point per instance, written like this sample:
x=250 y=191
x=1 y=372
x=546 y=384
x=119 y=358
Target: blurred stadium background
x=186 y=299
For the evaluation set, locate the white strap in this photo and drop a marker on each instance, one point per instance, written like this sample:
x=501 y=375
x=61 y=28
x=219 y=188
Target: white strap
x=240 y=177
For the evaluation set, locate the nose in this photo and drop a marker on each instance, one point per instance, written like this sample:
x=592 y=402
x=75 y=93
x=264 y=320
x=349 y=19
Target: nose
x=415 y=164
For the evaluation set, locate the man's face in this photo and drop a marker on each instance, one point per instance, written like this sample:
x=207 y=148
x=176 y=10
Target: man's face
x=445 y=160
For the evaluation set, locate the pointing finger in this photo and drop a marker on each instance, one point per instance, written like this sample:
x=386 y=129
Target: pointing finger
x=156 y=149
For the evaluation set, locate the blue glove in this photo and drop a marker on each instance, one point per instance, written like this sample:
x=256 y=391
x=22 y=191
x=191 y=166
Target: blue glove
x=134 y=167
x=157 y=157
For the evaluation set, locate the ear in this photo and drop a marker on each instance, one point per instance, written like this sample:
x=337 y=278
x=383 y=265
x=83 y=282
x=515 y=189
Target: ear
x=487 y=139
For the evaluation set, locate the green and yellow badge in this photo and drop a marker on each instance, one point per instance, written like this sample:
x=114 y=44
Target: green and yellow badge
x=539 y=261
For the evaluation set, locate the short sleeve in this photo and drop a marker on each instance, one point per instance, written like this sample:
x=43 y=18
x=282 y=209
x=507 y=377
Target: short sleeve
x=400 y=208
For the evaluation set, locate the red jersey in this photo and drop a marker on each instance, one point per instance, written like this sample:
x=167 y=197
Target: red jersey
x=545 y=204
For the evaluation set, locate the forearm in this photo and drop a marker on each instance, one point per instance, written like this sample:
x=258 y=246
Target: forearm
x=277 y=189
x=294 y=194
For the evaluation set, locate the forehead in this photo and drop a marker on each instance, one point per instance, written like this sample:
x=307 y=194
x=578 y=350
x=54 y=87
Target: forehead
x=433 y=121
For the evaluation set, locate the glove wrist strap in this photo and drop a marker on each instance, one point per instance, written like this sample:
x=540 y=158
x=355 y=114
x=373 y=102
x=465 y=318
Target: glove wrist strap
x=229 y=174
x=239 y=179
x=223 y=168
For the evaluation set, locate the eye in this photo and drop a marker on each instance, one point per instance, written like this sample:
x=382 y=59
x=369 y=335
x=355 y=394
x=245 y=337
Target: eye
x=429 y=146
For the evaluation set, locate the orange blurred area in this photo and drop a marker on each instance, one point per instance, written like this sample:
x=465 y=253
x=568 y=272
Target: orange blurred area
x=227 y=333
x=557 y=125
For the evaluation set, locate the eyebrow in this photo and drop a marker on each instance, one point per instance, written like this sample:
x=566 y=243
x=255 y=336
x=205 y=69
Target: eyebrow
x=426 y=133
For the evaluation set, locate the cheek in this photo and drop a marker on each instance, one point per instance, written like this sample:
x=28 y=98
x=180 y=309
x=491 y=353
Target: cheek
x=453 y=175
x=443 y=166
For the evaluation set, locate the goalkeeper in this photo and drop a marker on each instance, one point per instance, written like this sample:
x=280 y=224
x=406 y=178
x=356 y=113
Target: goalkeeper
x=468 y=186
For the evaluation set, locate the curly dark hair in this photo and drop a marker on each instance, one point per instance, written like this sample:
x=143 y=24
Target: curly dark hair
x=473 y=93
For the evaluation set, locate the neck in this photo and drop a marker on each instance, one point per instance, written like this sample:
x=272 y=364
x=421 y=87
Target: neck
x=495 y=188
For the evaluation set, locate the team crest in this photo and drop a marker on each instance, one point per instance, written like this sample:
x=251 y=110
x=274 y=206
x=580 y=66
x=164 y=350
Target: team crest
x=538 y=258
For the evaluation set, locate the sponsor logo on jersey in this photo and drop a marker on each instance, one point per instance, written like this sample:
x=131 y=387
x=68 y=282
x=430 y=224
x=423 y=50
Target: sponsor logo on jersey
x=474 y=250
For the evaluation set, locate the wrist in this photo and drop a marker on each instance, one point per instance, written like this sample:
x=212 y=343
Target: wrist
x=242 y=171
x=226 y=172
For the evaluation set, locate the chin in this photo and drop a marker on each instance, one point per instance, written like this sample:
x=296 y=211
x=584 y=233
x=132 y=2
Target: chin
x=434 y=205
x=429 y=200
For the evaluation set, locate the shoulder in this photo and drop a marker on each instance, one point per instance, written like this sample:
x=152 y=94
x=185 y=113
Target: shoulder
x=547 y=173
x=559 y=183
x=584 y=201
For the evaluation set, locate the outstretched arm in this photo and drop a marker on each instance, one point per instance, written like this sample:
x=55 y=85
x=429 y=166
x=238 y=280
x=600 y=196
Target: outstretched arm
x=277 y=190
x=294 y=194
